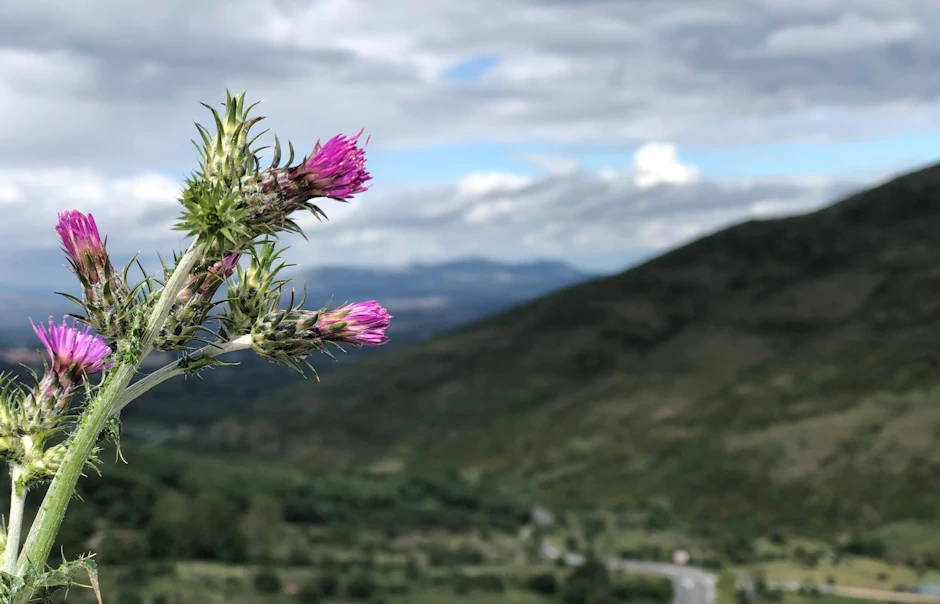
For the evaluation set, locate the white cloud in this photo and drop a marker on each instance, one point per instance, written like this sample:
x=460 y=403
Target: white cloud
x=145 y=205
x=479 y=184
x=109 y=83
x=663 y=234
x=552 y=164
x=578 y=216
x=849 y=33
x=658 y=163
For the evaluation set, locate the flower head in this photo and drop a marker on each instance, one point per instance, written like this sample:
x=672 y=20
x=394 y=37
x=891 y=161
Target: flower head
x=336 y=170
x=288 y=336
x=105 y=296
x=71 y=350
x=361 y=324
x=80 y=239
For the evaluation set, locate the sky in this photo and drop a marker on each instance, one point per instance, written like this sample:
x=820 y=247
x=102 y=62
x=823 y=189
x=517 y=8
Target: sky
x=597 y=132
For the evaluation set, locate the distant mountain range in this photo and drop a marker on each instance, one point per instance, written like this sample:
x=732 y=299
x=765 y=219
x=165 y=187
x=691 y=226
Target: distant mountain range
x=424 y=300
x=423 y=297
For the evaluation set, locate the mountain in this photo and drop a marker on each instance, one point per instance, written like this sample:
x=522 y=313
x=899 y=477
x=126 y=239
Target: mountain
x=424 y=299
x=777 y=373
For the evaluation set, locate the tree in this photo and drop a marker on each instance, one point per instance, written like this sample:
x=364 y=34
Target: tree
x=168 y=532
x=543 y=583
x=267 y=581
x=263 y=525
x=214 y=526
x=329 y=585
x=659 y=514
x=309 y=593
x=360 y=587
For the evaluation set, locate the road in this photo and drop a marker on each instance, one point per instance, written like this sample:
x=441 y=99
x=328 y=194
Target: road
x=692 y=585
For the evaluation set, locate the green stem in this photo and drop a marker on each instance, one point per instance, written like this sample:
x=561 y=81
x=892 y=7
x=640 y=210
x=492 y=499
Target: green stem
x=15 y=528
x=176 y=368
x=42 y=534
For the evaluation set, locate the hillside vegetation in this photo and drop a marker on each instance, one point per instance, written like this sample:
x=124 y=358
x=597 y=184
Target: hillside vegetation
x=779 y=373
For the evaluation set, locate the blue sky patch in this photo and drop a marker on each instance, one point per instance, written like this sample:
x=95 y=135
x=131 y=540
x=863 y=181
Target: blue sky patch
x=471 y=70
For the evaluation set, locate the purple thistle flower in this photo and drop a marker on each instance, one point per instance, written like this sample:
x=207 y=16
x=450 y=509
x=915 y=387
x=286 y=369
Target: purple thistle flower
x=72 y=351
x=82 y=243
x=105 y=296
x=288 y=336
x=336 y=170
x=359 y=324
x=80 y=235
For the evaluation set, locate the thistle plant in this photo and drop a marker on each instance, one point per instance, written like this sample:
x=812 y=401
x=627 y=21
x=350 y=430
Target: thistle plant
x=231 y=209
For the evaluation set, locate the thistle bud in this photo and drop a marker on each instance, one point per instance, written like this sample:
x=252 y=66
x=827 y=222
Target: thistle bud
x=288 y=336
x=256 y=291
x=335 y=170
x=210 y=197
x=44 y=464
x=105 y=297
x=11 y=407
x=72 y=353
x=193 y=303
x=227 y=157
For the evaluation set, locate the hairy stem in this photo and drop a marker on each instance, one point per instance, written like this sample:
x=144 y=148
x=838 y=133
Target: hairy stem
x=46 y=526
x=15 y=528
x=177 y=368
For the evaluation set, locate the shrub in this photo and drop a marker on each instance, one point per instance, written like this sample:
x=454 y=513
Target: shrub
x=309 y=593
x=441 y=556
x=299 y=557
x=648 y=589
x=360 y=587
x=329 y=585
x=576 y=592
x=489 y=582
x=412 y=570
x=267 y=581
x=543 y=583
x=862 y=546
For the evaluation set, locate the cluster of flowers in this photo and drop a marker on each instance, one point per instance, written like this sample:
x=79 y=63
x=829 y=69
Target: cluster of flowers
x=232 y=208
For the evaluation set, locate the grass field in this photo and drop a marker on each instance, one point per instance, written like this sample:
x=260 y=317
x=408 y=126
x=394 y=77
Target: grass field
x=853 y=572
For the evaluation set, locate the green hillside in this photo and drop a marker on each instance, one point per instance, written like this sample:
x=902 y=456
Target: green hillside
x=782 y=372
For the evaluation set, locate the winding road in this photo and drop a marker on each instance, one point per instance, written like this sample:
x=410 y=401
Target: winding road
x=692 y=585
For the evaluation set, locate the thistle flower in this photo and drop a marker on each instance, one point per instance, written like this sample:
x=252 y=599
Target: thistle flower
x=361 y=324
x=335 y=170
x=193 y=304
x=288 y=336
x=73 y=352
x=105 y=296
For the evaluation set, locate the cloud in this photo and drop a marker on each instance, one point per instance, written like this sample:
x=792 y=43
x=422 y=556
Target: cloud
x=657 y=163
x=116 y=86
x=97 y=102
x=578 y=216
x=849 y=33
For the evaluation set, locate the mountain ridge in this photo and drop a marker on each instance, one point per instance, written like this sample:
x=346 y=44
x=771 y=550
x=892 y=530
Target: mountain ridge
x=797 y=355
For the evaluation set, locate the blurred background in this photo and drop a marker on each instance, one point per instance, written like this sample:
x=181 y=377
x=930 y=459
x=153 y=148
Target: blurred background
x=663 y=275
